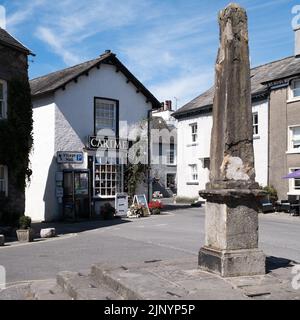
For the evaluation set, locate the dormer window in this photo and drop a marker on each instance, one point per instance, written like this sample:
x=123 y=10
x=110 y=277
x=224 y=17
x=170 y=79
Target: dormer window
x=295 y=89
x=3 y=100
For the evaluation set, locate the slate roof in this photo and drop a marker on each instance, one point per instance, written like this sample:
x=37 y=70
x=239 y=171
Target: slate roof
x=8 y=40
x=260 y=77
x=59 y=79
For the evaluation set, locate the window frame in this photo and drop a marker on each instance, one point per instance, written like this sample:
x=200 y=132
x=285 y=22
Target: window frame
x=3 y=116
x=117 y=114
x=291 y=148
x=119 y=179
x=292 y=184
x=194 y=175
x=5 y=180
x=255 y=125
x=194 y=134
x=292 y=88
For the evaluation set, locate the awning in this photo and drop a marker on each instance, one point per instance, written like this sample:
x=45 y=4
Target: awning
x=293 y=175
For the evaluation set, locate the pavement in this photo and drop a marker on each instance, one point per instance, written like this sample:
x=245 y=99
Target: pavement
x=165 y=247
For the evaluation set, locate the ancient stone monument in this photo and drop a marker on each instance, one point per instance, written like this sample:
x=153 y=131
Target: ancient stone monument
x=231 y=244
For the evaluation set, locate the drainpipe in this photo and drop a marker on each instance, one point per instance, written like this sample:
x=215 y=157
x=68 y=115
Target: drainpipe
x=269 y=135
x=149 y=154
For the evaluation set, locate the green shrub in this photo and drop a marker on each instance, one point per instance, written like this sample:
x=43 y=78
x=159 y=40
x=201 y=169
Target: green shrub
x=25 y=222
x=272 y=192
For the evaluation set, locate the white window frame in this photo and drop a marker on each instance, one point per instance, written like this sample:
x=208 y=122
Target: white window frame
x=255 y=124
x=114 y=118
x=194 y=175
x=4 y=181
x=3 y=114
x=291 y=96
x=194 y=133
x=119 y=178
x=291 y=148
x=292 y=188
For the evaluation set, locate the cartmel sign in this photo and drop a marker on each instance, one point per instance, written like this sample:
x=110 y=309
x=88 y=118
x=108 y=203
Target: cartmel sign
x=108 y=143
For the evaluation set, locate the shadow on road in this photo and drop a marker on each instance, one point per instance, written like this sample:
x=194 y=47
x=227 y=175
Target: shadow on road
x=63 y=228
x=273 y=263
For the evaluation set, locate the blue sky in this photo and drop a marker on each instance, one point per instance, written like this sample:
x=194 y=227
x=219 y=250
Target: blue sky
x=170 y=45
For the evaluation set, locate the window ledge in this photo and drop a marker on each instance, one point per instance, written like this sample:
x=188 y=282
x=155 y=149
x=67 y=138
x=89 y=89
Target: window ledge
x=293 y=152
x=256 y=137
x=294 y=193
x=293 y=100
x=192 y=145
x=192 y=183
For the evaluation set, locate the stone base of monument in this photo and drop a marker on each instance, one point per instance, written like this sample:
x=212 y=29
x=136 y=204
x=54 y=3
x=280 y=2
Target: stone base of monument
x=232 y=263
x=231 y=239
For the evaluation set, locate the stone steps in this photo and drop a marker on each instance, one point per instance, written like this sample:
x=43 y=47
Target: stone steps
x=83 y=287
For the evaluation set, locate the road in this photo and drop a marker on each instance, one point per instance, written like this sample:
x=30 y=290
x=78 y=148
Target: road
x=177 y=235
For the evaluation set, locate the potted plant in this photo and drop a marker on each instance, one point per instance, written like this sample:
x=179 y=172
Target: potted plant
x=155 y=207
x=25 y=233
x=107 y=212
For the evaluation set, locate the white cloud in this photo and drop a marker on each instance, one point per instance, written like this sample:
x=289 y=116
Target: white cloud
x=57 y=46
x=184 y=88
x=23 y=13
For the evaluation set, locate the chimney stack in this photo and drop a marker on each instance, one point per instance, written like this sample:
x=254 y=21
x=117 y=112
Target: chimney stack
x=168 y=105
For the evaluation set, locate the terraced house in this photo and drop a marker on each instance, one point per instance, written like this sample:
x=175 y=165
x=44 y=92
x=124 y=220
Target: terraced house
x=15 y=126
x=276 y=130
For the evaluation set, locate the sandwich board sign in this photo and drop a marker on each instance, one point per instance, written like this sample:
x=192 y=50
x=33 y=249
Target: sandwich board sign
x=141 y=200
x=121 y=204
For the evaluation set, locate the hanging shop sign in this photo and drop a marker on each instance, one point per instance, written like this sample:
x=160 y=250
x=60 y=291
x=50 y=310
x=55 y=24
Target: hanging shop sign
x=69 y=157
x=107 y=143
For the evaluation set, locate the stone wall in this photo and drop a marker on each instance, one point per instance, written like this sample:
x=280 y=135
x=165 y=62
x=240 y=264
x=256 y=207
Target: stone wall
x=13 y=64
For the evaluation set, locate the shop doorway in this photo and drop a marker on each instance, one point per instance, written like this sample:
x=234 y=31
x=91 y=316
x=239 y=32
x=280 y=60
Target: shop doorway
x=77 y=195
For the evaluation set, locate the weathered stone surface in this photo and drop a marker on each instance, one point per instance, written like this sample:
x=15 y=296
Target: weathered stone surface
x=2 y=240
x=232 y=194
x=48 y=233
x=232 y=263
x=231 y=228
x=232 y=156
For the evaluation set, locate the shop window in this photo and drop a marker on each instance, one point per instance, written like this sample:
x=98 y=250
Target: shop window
x=3 y=181
x=105 y=115
x=3 y=100
x=108 y=177
x=294 y=139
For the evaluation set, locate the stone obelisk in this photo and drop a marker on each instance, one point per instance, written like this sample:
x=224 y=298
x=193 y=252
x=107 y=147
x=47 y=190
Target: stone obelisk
x=231 y=242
